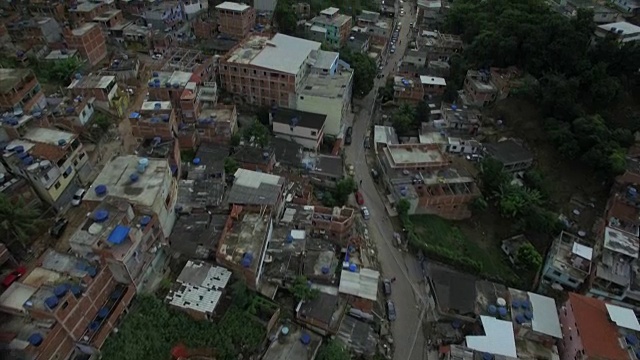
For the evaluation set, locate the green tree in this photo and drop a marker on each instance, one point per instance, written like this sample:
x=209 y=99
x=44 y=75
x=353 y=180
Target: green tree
x=333 y=350
x=302 y=290
x=514 y=201
x=492 y=175
x=364 y=71
x=422 y=112
x=528 y=257
x=60 y=71
x=257 y=132
x=285 y=17
x=18 y=220
x=230 y=165
x=404 y=119
x=479 y=205
x=403 y=207
x=344 y=188
x=102 y=121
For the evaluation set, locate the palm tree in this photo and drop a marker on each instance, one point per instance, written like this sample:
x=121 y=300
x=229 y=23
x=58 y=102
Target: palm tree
x=17 y=219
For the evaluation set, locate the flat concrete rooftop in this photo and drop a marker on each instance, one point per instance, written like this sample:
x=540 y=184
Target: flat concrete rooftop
x=414 y=155
x=245 y=240
x=116 y=177
x=335 y=86
x=49 y=136
x=10 y=78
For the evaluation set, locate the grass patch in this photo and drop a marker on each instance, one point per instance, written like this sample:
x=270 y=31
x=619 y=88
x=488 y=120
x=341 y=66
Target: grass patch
x=444 y=234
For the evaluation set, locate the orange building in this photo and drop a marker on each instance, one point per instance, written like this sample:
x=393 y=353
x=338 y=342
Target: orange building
x=89 y=40
x=235 y=20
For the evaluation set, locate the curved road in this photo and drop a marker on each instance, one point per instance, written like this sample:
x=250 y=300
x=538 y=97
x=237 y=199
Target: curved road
x=408 y=293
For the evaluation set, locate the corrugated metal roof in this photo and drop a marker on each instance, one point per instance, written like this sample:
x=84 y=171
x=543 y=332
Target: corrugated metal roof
x=363 y=284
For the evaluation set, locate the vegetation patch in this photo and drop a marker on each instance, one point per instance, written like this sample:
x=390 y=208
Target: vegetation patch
x=152 y=329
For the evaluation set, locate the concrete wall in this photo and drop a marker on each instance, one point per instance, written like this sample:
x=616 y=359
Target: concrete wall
x=571 y=343
x=334 y=108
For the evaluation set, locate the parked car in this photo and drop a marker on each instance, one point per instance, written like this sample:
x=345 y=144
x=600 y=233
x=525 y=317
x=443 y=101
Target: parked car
x=13 y=276
x=359 y=198
x=365 y=213
x=391 y=310
x=393 y=51
x=374 y=173
x=349 y=130
x=386 y=286
x=58 y=228
x=347 y=140
x=77 y=197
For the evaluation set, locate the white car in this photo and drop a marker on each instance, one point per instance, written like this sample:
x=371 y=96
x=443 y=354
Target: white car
x=156 y=56
x=77 y=197
x=365 y=213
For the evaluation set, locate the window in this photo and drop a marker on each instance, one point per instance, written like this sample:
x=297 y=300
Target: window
x=57 y=185
x=314 y=133
x=65 y=304
x=46 y=177
x=556 y=273
x=81 y=156
x=301 y=97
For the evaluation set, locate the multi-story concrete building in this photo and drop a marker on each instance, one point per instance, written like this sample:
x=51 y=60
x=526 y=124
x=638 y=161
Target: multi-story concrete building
x=337 y=26
x=20 y=91
x=51 y=161
x=594 y=329
x=417 y=89
x=377 y=27
x=45 y=8
x=89 y=40
x=267 y=71
x=512 y=155
x=147 y=184
x=73 y=114
x=335 y=223
x=568 y=262
x=109 y=19
x=306 y=129
x=86 y=11
x=244 y=242
x=163 y=15
x=154 y=119
x=72 y=304
x=45 y=30
x=622 y=31
x=130 y=243
x=103 y=88
x=192 y=8
x=235 y=20
x=422 y=174
x=439 y=46
x=217 y=124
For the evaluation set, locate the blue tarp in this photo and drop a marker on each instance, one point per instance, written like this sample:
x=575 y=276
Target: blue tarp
x=35 y=339
x=119 y=234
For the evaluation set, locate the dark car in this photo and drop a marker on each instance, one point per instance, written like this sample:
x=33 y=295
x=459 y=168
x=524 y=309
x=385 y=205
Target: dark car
x=391 y=311
x=386 y=286
x=347 y=140
x=349 y=130
x=58 y=228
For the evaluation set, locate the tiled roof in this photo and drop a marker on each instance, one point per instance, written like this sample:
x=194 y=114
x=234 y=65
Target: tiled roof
x=47 y=151
x=599 y=335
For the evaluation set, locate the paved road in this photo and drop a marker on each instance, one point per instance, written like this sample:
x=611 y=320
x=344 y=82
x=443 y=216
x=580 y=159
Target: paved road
x=407 y=292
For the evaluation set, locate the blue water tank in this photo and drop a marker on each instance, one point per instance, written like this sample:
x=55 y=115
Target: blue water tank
x=23 y=155
x=101 y=190
x=525 y=304
x=353 y=267
x=487 y=356
x=157 y=106
x=528 y=315
x=145 y=220
x=155 y=75
x=289 y=239
x=51 y=302
x=165 y=117
x=78 y=76
x=196 y=161
x=18 y=149
x=27 y=161
x=101 y=215
x=91 y=271
x=76 y=290
x=35 y=339
x=492 y=309
x=520 y=319
x=103 y=312
x=115 y=295
x=305 y=339
x=502 y=311
x=134 y=177
x=325 y=270
x=61 y=290
x=515 y=303
x=95 y=325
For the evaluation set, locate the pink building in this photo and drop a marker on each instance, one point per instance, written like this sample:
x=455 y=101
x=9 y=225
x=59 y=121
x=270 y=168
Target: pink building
x=593 y=329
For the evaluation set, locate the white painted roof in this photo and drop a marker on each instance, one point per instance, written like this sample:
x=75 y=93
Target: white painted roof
x=285 y=53
x=545 y=315
x=253 y=179
x=499 y=338
x=623 y=317
x=362 y=284
x=195 y=298
x=627 y=28
x=232 y=6
x=432 y=80
x=583 y=251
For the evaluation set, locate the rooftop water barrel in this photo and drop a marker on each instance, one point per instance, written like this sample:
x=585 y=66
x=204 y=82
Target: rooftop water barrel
x=101 y=190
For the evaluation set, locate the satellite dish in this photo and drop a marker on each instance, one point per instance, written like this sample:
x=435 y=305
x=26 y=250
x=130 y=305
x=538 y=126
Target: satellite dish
x=94 y=229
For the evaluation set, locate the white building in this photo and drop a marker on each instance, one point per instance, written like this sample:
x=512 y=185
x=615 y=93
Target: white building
x=623 y=31
x=304 y=128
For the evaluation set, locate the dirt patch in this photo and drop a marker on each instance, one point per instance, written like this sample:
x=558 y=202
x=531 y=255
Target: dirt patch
x=523 y=120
